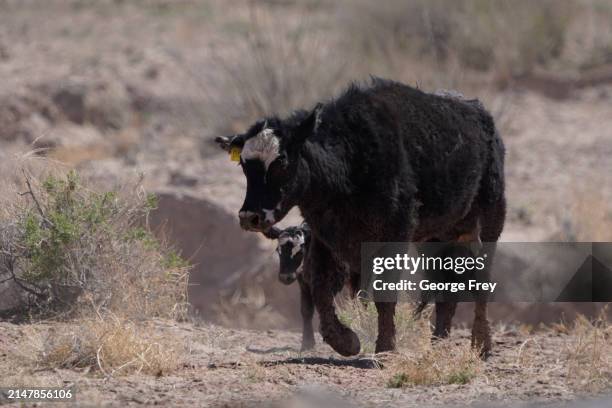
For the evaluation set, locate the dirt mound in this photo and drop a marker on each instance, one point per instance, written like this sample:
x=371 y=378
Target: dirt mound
x=235 y=276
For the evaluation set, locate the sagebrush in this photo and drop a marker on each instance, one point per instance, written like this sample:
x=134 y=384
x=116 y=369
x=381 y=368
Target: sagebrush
x=66 y=247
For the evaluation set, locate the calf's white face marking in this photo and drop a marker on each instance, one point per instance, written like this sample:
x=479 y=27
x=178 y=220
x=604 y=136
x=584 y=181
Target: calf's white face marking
x=296 y=242
x=264 y=146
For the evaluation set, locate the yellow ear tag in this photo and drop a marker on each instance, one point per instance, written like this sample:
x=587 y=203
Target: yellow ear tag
x=235 y=154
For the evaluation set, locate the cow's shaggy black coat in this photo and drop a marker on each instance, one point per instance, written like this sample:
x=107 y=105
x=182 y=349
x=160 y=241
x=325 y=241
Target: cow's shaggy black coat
x=388 y=162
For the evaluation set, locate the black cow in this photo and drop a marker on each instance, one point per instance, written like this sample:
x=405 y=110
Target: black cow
x=381 y=163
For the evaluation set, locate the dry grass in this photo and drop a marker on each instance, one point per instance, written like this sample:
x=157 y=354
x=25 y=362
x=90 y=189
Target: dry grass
x=504 y=37
x=588 y=355
x=107 y=344
x=582 y=357
x=363 y=319
x=264 y=72
x=418 y=361
x=444 y=362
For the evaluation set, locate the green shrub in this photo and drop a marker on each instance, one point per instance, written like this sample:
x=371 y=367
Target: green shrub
x=70 y=244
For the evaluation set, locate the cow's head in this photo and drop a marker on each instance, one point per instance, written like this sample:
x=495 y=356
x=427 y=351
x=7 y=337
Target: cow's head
x=291 y=249
x=268 y=154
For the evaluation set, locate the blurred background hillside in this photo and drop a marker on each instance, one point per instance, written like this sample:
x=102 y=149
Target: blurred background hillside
x=116 y=89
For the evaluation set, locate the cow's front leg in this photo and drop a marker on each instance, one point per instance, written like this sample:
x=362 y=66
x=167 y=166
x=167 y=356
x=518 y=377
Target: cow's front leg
x=386 y=327
x=324 y=275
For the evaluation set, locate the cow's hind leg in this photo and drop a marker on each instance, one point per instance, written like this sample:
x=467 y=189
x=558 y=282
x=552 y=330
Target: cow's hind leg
x=481 y=331
x=444 y=318
x=339 y=337
x=386 y=309
x=466 y=232
x=386 y=327
x=307 y=309
x=492 y=223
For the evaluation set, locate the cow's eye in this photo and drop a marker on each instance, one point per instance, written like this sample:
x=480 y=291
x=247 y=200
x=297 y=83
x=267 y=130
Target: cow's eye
x=277 y=171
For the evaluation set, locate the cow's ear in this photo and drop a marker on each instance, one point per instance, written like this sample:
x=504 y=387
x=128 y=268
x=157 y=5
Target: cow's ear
x=227 y=142
x=308 y=126
x=272 y=233
x=224 y=142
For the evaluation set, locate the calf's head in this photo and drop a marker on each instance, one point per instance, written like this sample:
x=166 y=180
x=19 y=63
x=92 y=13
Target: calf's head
x=292 y=247
x=268 y=155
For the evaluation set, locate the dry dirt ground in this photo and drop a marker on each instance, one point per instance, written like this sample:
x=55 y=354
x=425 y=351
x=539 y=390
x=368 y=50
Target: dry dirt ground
x=231 y=368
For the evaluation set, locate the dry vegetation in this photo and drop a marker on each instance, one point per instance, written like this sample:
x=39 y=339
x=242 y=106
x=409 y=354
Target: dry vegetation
x=418 y=361
x=362 y=318
x=63 y=244
x=445 y=362
x=588 y=356
x=109 y=344
x=477 y=46
x=583 y=358
x=89 y=261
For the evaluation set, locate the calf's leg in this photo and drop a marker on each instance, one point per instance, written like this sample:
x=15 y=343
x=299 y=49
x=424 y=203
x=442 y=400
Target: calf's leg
x=307 y=309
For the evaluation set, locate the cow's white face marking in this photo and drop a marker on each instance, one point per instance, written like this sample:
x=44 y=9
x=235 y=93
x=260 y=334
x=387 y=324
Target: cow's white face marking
x=264 y=146
x=269 y=215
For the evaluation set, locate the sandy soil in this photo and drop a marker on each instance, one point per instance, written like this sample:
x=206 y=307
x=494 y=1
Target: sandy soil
x=225 y=367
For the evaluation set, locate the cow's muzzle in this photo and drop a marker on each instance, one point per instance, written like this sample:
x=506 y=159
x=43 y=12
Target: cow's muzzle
x=253 y=221
x=287 y=278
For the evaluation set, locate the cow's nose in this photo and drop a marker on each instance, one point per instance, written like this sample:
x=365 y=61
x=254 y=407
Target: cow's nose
x=286 y=278
x=249 y=220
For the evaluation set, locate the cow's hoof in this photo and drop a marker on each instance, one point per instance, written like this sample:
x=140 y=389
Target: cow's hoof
x=307 y=345
x=347 y=345
x=483 y=347
x=384 y=346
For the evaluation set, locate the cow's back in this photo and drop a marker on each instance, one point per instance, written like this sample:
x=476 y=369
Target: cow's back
x=403 y=144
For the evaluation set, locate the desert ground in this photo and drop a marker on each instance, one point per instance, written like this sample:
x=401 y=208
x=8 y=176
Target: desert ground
x=136 y=90
x=229 y=367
